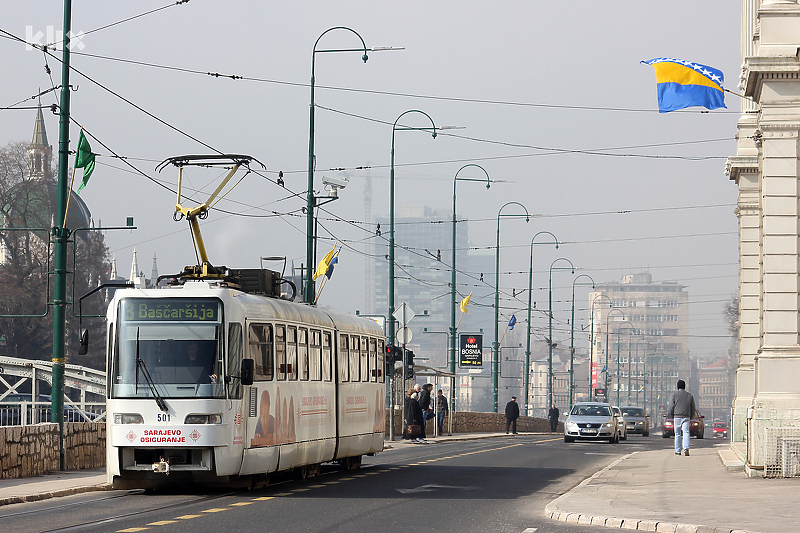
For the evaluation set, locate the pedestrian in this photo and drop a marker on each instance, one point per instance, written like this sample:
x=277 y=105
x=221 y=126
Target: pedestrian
x=425 y=402
x=681 y=408
x=512 y=413
x=441 y=410
x=553 y=416
x=413 y=417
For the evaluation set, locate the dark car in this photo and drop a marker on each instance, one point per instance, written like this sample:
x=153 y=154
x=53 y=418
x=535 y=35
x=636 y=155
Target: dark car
x=719 y=430
x=697 y=427
x=638 y=420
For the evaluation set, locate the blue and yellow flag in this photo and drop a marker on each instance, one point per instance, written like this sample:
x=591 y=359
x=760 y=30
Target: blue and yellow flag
x=682 y=84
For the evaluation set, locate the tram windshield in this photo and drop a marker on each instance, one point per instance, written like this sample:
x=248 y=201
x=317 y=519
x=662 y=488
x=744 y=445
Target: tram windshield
x=175 y=343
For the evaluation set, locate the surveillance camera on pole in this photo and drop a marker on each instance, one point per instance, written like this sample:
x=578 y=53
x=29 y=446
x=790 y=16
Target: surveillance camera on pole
x=334 y=183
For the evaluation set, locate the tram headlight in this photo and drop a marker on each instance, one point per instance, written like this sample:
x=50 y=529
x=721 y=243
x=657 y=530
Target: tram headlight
x=128 y=418
x=203 y=419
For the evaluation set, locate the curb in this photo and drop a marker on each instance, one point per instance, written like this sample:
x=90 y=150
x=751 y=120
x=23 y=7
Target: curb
x=55 y=494
x=552 y=512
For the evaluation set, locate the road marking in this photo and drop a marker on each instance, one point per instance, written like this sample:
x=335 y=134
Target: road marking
x=132 y=529
x=529 y=530
x=315 y=486
x=240 y=504
x=188 y=516
x=162 y=523
x=263 y=498
x=331 y=482
x=283 y=494
x=300 y=490
x=345 y=478
x=217 y=510
x=431 y=488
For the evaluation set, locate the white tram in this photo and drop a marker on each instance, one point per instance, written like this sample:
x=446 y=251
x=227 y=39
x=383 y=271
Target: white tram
x=207 y=383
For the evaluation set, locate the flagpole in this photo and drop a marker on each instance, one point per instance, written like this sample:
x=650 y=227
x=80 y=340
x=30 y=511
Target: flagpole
x=69 y=195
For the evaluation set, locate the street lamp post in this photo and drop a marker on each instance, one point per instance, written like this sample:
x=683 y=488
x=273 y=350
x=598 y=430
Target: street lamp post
x=310 y=198
x=572 y=338
x=608 y=315
x=453 y=341
x=390 y=333
x=591 y=336
x=528 y=334
x=391 y=213
x=550 y=328
x=619 y=375
x=496 y=346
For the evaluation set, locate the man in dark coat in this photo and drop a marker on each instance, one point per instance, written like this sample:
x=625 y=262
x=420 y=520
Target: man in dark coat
x=425 y=402
x=512 y=413
x=553 y=416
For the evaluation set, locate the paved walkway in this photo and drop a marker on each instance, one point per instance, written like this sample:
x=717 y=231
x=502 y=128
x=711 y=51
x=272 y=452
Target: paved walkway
x=645 y=491
x=660 y=491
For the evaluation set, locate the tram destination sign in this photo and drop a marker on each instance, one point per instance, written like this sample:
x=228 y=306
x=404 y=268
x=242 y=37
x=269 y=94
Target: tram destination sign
x=181 y=309
x=470 y=351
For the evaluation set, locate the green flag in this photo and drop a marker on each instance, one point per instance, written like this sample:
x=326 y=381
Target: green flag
x=84 y=158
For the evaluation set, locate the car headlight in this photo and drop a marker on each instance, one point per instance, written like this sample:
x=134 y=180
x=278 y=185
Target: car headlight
x=572 y=426
x=128 y=418
x=609 y=424
x=203 y=419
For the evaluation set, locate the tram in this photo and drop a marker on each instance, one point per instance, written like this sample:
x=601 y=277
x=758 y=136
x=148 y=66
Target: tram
x=212 y=379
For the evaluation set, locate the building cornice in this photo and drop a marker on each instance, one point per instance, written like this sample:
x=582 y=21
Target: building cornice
x=760 y=68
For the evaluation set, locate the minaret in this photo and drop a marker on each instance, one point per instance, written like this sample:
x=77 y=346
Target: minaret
x=137 y=277
x=113 y=268
x=40 y=153
x=154 y=273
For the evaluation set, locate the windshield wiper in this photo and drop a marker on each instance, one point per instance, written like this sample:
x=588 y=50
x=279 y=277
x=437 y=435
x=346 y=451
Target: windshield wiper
x=146 y=373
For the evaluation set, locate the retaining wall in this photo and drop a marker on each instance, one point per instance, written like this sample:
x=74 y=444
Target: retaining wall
x=33 y=450
x=466 y=422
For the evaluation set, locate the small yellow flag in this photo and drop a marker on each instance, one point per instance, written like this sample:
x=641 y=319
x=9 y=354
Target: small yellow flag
x=323 y=265
x=464 y=303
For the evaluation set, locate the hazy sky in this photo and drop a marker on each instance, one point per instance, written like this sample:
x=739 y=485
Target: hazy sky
x=551 y=96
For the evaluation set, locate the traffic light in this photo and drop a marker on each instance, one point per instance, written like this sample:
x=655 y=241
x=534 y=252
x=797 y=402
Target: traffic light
x=408 y=366
x=393 y=355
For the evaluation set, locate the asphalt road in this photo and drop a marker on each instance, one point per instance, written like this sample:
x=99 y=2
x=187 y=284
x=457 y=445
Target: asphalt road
x=488 y=485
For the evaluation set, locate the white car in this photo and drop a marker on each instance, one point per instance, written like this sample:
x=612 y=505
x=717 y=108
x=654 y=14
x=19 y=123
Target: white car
x=591 y=421
x=622 y=422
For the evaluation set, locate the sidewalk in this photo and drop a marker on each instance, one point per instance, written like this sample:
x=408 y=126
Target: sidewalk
x=659 y=491
x=52 y=485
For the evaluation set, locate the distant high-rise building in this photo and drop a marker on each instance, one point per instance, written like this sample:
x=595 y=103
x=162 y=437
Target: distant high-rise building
x=646 y=323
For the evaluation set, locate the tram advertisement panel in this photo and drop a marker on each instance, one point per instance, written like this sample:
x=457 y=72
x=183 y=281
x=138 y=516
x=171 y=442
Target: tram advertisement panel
x=470 y=350
x=292 y=415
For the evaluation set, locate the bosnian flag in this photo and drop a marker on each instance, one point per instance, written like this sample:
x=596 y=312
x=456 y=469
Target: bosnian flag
x=682 y=84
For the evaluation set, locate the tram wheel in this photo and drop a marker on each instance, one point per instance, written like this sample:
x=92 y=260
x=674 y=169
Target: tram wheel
x=352 y=463
x=313 y=470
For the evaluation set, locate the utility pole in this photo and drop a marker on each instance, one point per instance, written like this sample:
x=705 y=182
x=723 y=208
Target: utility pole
x=61 y=237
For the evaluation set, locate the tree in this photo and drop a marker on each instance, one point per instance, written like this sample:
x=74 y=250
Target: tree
x=25 y=265
x=731 y=314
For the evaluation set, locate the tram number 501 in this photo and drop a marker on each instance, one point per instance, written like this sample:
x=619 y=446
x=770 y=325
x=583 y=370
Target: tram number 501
x=162 y=417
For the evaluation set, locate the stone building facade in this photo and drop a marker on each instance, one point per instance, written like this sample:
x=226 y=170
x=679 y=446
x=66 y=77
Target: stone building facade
x=765 y=169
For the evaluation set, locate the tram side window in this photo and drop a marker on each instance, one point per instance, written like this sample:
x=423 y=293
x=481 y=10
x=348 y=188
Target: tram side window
x=373 y=358
x=381 y=351
x=302 y=352
x=280 y=351
x=354 y=357
x=344 y=359
x=314 y=354
x=326 y=356
x=291 y=353
x=364 y=359
x=234 y=360
x=259 y=341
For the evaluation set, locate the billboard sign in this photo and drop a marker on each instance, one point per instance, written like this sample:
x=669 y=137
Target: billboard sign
x=470 y=350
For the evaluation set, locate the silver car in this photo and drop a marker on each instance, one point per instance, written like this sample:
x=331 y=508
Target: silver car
x=591 y=420
x=622 y=423
x=638 y=420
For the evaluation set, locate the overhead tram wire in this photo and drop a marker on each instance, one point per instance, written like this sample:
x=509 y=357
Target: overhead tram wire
x=390 y=93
